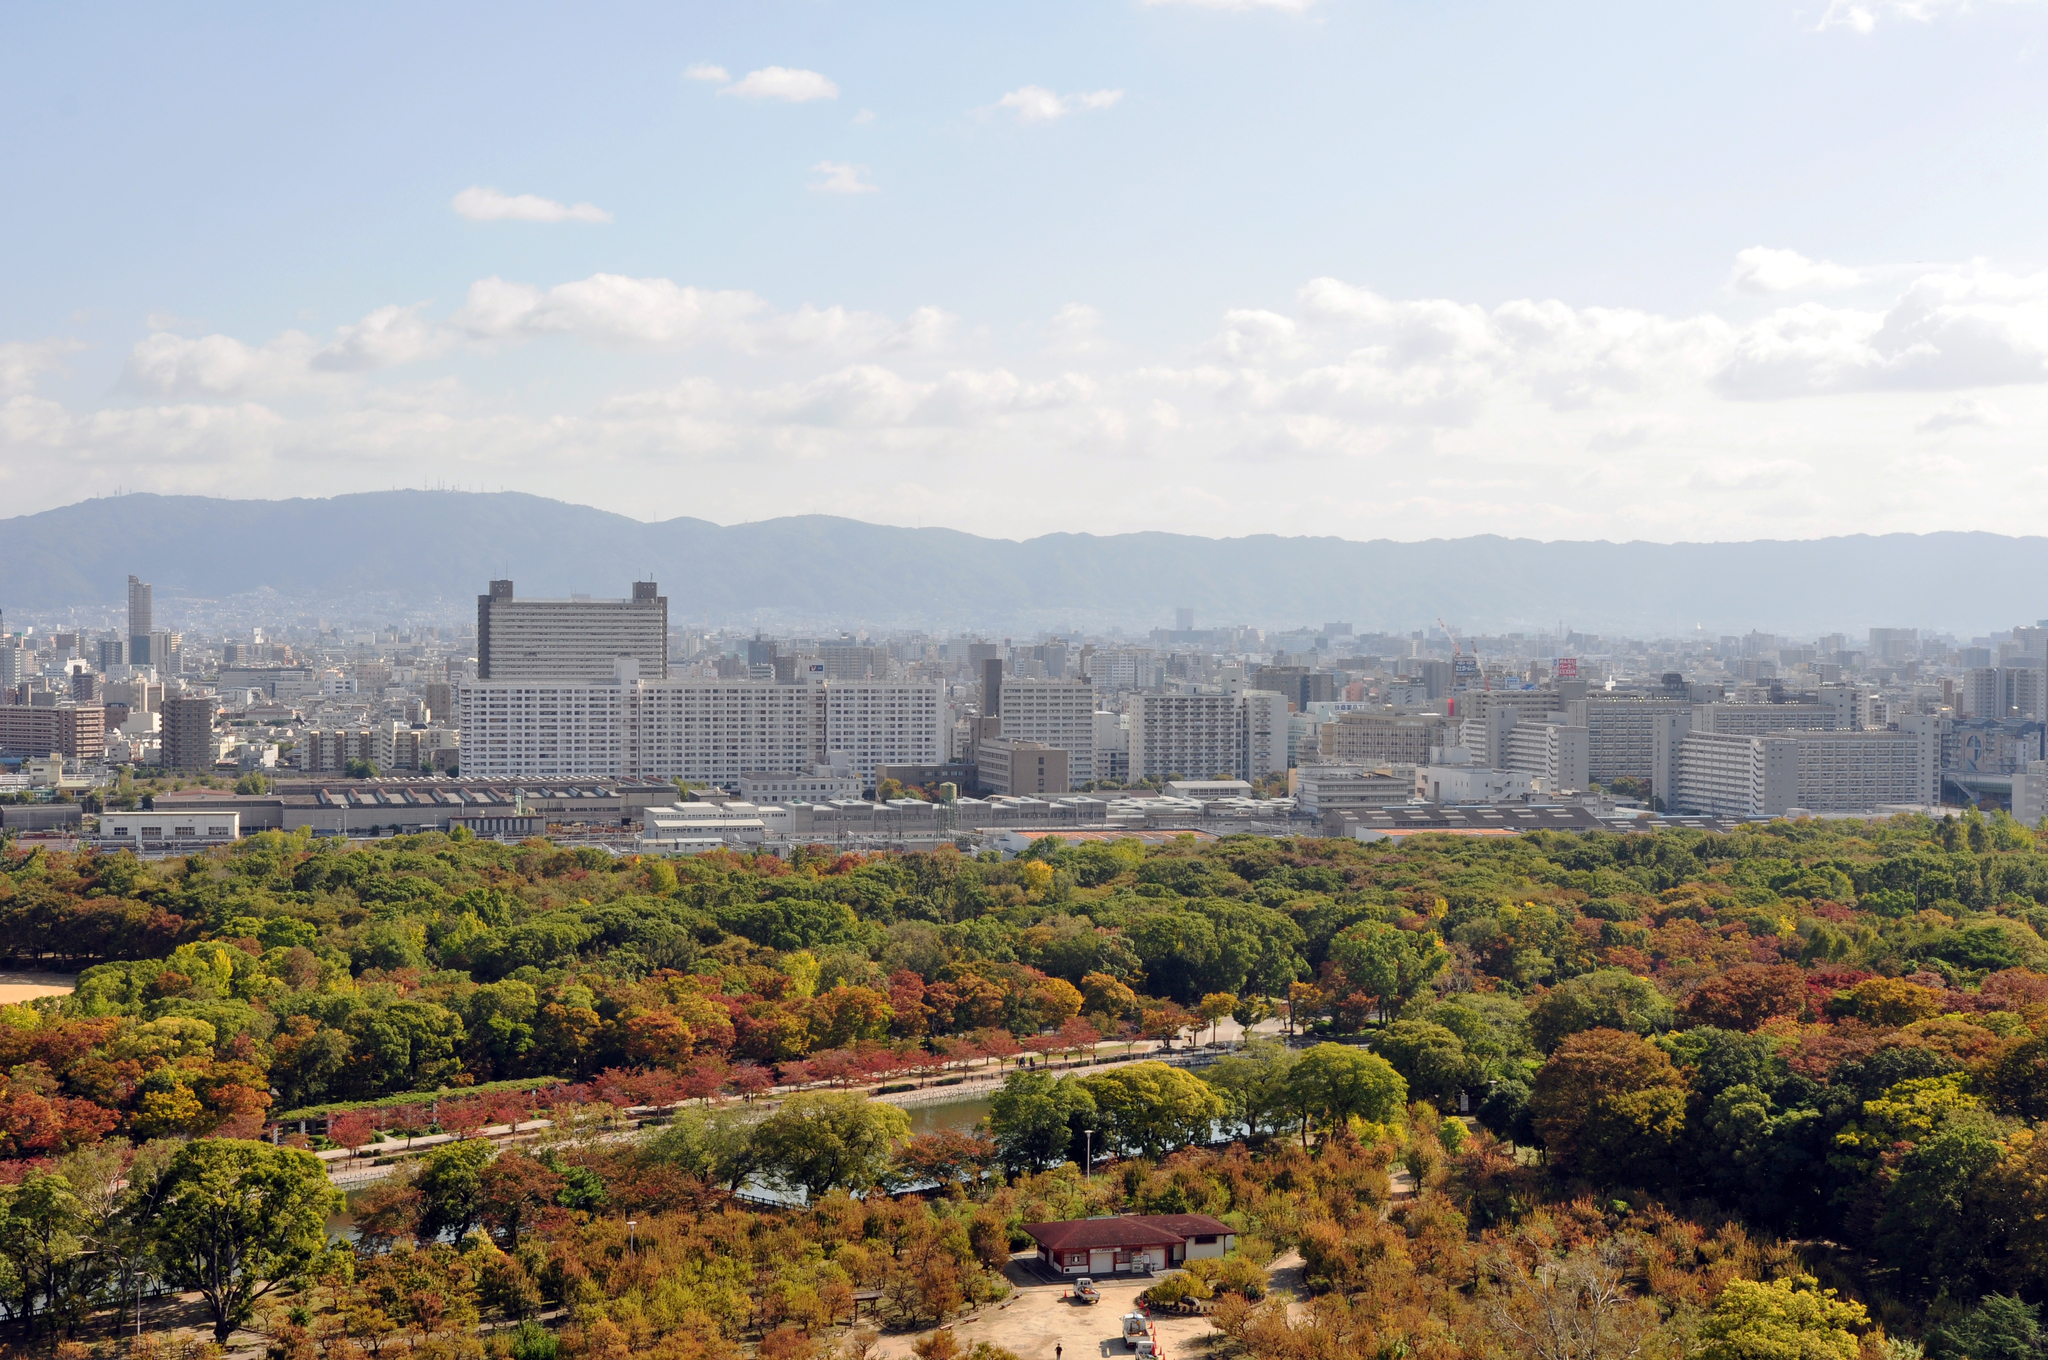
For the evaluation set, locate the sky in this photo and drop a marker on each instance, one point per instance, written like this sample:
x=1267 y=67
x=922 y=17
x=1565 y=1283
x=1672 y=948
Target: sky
x=1344 y=267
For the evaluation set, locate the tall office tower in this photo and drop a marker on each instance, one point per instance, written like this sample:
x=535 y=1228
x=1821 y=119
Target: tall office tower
x=577 y=640
x=188 y=732
x=991 y=688
x=141 y=618
x=112 y=652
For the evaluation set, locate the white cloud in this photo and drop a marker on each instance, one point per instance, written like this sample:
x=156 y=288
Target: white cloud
x=841 y=178
x=1036 y=104
x=1337 y=410
x=1961 y=413
x=782 y=82
x=1748 y=474
x=23 y=362
x=387 y=336
x=479 y=204
x=219 y=365
x=706 y=71
x=1281 y=6
x=1075 y=329
x=1863 y=16
x=1761 y=269
x=1946 y=332
x=615 y=309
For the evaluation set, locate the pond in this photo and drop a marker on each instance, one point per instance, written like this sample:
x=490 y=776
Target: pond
x=953 y=1114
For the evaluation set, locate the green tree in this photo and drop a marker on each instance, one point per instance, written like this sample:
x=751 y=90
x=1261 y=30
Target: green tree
x=711 y=1143
x=1388 y=964
x=1215 y=1008
x=1788 y=1319
x=820 y=1140
x=1217 y=944
x=1152 y=1109
x=1610 y=998
x=1033 y=1119
x=1253 y=1082
x=2000 y=1327
x=1333 y=1083
x=451 y=1187
x=40 y=1224
x=408 y=1045
x=1431 y=1059
x=240 y=1219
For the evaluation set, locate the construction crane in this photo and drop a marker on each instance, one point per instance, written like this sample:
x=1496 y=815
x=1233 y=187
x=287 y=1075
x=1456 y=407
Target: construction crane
x=1458 y=651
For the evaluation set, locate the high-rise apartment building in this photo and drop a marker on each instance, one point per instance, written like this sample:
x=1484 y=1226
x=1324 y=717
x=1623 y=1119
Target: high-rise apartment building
x=1375 y=739
x=1619 y=735
x=141 y=619
x=74 y=731
x=1195 y=736
x=1057 y=713
x=1120 y=669
x=188 y=739
x=1555 y=752
x=572 y=640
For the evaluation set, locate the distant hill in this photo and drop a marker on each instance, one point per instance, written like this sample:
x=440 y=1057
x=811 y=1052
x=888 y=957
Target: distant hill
x=438 y=548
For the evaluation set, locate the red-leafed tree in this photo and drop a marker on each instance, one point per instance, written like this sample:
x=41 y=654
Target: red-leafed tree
x=1748 y=995
x=352 y=1129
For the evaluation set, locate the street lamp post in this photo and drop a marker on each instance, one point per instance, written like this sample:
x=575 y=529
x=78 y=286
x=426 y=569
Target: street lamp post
x=1088 y=1152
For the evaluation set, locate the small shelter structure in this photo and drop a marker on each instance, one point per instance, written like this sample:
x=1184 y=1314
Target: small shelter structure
x=1105 y=1246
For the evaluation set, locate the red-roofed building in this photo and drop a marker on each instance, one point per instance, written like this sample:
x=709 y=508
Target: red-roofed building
x=1104 y=1246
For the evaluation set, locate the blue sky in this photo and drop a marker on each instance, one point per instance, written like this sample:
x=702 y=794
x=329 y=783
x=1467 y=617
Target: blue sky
x=1675 y=272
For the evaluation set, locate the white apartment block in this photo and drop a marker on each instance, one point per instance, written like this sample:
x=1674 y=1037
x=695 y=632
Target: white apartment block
x=821 y=784
x=1373 y=739
x=1555 y=752
x=1620 y=734
x=703 y=731
x=1127 y=668
x=560 y=731
x=1322 y=789
x=1729 y=774
x=1188 y=736
x=576 y=639
x=880 y=722
x=715 y=731
x=1758 y=719
x=1194 y=736
x=1266 y=732
x=2030 y=793
x=1053 y=713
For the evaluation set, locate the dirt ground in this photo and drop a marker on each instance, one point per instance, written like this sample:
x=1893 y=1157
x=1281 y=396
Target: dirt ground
x=16 y=985
x=1038 y=1316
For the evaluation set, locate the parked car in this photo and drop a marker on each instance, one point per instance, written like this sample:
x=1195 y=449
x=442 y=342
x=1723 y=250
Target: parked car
x=1086 y=1292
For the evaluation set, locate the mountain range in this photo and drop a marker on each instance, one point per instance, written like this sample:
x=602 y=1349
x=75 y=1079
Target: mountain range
x=433 y=551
